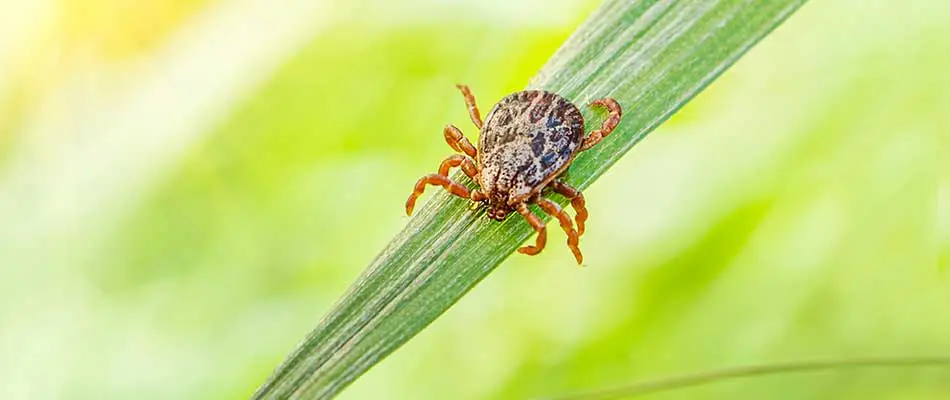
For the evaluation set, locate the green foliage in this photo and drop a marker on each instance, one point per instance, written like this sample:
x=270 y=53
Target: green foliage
x=651 y=56
x=174 y=222
x=709 y=377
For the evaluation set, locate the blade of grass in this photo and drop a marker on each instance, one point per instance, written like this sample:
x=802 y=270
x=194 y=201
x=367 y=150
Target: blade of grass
x=702 y=378
x=652 y=56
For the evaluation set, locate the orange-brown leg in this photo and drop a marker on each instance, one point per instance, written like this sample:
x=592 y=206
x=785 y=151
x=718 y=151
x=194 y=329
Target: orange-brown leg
x=468 y=167
x=458 y=142
x=577 y=201
x=538 y=226
x=477 y=195
x=438 y=180
x=554 y=210
x=458 y=160
x=607 y=126
x=472 y=107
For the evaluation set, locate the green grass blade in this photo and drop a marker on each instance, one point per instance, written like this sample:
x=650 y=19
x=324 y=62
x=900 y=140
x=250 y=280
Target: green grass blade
x=652 y=56
x=751 y=371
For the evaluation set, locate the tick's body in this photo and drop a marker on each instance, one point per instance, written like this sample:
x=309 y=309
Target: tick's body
x=528 y=140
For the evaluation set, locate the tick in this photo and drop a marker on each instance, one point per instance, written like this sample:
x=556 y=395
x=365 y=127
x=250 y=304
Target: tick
x=525 y=145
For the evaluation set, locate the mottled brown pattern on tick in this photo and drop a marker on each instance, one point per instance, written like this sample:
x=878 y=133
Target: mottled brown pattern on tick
x=529 y=138
x=527 y=142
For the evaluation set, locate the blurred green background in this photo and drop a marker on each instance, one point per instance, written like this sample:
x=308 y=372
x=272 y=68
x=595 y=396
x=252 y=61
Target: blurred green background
x=186 y=186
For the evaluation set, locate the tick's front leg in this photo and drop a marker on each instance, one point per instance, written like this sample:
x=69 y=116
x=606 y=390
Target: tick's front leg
x=438 y=180
x=472 y=107
x=607 y=126
x=554 y=210
x=577 y=201
x=538 y=226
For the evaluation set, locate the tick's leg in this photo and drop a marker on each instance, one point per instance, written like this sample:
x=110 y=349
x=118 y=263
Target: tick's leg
x=468 y=167
x=477 y=195
x=607 y=126
x=472 y=107
x=577 y=201
x=457 y=141
x=456 y=160
x=538 y=226
x=554 y=210
x=439 y=180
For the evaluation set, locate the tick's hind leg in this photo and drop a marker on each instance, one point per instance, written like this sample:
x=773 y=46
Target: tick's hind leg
x=554 y=210
x=458 y=142
x=472 y=107
x=577 y=201
x=538 y=226
x=607 y=126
